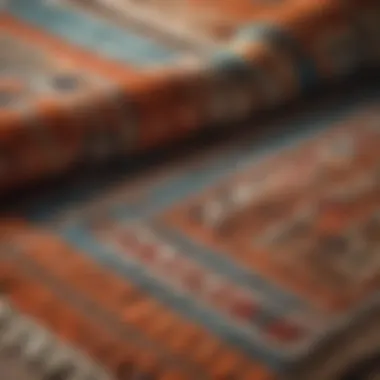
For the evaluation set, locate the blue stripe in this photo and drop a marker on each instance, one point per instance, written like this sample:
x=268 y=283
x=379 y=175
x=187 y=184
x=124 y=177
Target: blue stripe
x=168 y=191
x=280 y=302
x=187 y=306
x=91 y=33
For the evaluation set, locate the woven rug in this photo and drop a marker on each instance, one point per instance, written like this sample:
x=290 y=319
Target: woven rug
x=259 y=260
x=254 y=258
x=85 y=80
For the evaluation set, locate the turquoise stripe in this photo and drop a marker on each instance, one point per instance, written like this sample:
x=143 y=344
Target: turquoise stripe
x=168 y=191
x=278 y=300
x=91 y=33
x=187 y=306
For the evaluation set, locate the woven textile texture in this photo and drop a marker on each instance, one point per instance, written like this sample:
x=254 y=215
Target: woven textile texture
x=253 y=258
x=84 y=80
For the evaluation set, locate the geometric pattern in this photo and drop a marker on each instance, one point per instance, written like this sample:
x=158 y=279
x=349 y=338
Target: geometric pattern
x=253 y=294
x=239 y=262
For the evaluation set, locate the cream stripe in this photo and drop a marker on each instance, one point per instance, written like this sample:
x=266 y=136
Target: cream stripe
x=38 y=347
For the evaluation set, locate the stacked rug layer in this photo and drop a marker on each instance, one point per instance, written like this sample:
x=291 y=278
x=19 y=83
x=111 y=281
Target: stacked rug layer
x=256 y=258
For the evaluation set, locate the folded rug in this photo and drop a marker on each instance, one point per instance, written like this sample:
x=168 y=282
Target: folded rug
x=257 y=258
x=84 y=80
x=257 y=261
